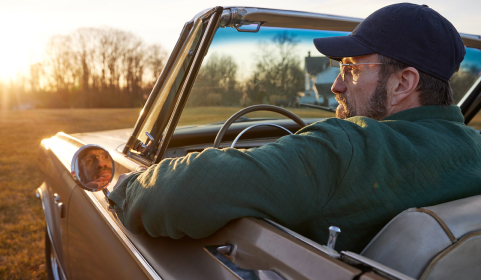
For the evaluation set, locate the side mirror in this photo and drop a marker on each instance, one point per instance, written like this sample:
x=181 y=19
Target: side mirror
x=93 y=168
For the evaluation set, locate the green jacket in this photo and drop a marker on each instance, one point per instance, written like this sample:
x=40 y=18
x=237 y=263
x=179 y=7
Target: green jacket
x=356 y=174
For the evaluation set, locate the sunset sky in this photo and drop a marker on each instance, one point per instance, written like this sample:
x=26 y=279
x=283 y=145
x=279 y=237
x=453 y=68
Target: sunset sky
x=26 y=25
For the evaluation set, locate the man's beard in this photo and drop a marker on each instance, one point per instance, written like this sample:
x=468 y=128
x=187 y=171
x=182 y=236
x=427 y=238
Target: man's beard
x=97 y=174
x=375 y=109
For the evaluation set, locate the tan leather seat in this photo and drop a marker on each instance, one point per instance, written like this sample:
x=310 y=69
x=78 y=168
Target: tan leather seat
x=437 y=242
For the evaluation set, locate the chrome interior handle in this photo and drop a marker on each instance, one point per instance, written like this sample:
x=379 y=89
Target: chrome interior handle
x=333 y=233
x=141 y=147
x=220 y=253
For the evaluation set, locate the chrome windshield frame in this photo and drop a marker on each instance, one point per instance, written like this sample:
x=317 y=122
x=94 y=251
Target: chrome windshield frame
x=173 y=61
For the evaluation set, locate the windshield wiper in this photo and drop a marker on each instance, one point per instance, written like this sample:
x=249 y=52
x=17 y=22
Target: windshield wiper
x=329 y=109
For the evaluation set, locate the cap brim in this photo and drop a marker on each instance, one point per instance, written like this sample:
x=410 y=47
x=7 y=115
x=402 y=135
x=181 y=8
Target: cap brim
x=341 y=46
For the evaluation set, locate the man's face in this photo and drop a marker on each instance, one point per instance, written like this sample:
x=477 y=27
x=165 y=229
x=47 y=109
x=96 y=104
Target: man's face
x=96 y=164
x=362 y=93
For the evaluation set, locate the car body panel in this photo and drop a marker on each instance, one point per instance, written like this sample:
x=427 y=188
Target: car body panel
x=58 y=185
x=114 y=259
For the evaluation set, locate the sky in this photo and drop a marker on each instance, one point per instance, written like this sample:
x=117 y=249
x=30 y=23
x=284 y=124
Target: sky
x=26 y=25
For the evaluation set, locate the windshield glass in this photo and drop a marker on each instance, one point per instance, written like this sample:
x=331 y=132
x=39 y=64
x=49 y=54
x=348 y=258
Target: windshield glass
x=468 y=73
x=278 y=66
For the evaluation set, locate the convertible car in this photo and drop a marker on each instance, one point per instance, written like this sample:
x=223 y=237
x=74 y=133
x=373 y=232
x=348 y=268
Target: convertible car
x=241 y=77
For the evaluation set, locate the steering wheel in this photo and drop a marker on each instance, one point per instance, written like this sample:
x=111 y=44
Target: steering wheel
x=254 y=108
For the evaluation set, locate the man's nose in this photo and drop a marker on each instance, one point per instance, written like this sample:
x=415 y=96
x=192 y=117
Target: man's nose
x=103 y=162
x=339 y=86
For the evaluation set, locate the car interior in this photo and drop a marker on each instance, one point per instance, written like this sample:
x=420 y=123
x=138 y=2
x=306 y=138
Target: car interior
x=275 y=49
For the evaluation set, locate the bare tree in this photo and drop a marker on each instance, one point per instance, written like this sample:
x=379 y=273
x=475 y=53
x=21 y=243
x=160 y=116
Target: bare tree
x=60 y=63
x=216 y=83
x=36 y=74
x=278 y=74
x=98 y=67
x=156 y=57
x=463 y=80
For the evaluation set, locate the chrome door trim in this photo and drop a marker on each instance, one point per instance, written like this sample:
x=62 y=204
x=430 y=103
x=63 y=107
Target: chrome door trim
x=40 y=196
x=380 y=268
x=123 y=236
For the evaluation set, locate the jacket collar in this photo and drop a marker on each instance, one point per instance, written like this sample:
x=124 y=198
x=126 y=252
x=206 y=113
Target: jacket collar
x=450 y=113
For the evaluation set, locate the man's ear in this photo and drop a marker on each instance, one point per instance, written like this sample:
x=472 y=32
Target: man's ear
x=404 y=86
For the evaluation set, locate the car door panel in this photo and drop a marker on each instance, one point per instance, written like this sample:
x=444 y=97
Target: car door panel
x=95 y=251
x=56 y=192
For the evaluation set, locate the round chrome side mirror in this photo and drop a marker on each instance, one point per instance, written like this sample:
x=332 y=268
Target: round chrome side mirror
x=93 y=168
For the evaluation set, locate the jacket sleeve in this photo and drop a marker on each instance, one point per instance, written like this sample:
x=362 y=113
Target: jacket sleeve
x=288 y=181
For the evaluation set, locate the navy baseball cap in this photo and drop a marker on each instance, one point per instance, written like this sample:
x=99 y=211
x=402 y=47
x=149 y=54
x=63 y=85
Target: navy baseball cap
x=413 y=34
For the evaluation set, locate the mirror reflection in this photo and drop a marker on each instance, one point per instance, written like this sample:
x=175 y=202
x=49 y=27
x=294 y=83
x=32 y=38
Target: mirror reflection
x=93 y=167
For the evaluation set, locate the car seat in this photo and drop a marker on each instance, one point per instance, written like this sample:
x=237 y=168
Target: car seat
x=437 y=242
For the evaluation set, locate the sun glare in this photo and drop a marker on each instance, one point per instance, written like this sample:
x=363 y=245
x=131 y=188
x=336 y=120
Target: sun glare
x=19 y=48
x=14 y=60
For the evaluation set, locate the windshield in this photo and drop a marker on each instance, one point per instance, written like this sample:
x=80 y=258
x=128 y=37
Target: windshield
x=468 y=73
x=278 y=66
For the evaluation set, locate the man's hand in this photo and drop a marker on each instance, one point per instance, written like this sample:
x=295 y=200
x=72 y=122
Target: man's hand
x=99 y=183
x=119 y=181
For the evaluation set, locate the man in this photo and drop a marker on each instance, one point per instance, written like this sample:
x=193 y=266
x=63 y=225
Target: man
x=398 y=142
x=95 y=168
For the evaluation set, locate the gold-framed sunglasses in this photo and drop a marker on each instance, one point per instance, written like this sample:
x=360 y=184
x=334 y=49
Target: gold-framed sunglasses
x=342 y=67
x=89 y=159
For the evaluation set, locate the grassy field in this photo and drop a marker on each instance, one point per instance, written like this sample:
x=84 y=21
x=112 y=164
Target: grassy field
x=22 y=221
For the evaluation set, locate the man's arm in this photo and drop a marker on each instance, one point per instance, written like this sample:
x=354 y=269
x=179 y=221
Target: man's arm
x=288 y=181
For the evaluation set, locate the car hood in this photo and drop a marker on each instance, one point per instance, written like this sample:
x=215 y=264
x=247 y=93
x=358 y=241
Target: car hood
x=109 y=139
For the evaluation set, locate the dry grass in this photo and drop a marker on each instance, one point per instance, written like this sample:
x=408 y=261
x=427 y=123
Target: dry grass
x=22 y=221
x=21 y=215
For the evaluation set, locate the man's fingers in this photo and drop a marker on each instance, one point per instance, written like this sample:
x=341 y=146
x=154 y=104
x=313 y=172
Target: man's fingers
x=94 y=185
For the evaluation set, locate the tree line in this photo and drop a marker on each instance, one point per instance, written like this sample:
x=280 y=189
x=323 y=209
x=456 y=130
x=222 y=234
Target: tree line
x=106 y=67
x=89 y=68
x=277 y=77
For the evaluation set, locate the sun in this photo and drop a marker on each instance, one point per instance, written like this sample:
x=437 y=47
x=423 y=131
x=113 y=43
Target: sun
x=19 y=49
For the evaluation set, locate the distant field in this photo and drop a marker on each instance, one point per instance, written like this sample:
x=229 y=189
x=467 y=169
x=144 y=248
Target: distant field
x=22 y=221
